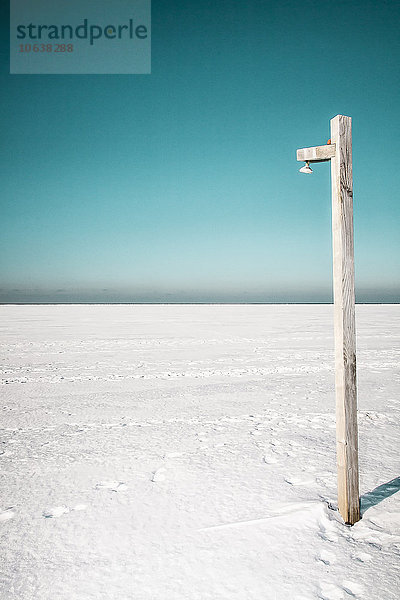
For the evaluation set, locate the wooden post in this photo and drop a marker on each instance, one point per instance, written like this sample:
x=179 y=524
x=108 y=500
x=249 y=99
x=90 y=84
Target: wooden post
x=339 y=153
x=344 y=320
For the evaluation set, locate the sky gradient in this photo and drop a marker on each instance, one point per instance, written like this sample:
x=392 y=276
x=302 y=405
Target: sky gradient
x=183 y=185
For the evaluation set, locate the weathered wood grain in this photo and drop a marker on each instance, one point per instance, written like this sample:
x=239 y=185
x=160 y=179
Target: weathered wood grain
x=344 y=320
x=316 y=153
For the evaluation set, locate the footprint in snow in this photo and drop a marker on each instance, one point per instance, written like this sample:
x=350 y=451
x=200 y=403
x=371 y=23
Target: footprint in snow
x=302 y=480
x=363 y=557
x=113 y=486
x=330 y=591
x=79 y=507
x=270 y=459
x=256 y=432
x=159 y=474
x=55 y=511
x=7 y=514
x=328 y=536
x=353 y=588
x=172 y=455
x=326 y=557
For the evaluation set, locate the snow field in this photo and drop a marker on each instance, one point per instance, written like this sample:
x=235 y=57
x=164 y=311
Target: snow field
x=188 y=452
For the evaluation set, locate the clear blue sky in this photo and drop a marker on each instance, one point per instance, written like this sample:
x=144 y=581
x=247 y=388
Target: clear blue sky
x=183 y=185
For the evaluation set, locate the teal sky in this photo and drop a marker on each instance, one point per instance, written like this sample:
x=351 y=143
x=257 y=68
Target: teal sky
x=183 y=185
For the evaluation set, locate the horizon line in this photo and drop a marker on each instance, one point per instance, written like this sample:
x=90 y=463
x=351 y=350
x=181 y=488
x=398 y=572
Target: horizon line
x=180 y=303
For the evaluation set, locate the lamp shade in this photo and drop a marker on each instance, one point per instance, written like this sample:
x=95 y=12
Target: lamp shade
x=306 y=168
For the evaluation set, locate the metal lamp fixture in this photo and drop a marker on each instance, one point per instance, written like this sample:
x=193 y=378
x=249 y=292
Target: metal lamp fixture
x=306 y=168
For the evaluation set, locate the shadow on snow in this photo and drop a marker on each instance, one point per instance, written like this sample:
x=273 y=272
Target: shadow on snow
x=379 y=493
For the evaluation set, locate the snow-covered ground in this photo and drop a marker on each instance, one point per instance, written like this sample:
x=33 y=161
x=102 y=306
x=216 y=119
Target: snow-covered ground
x=188 y=453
